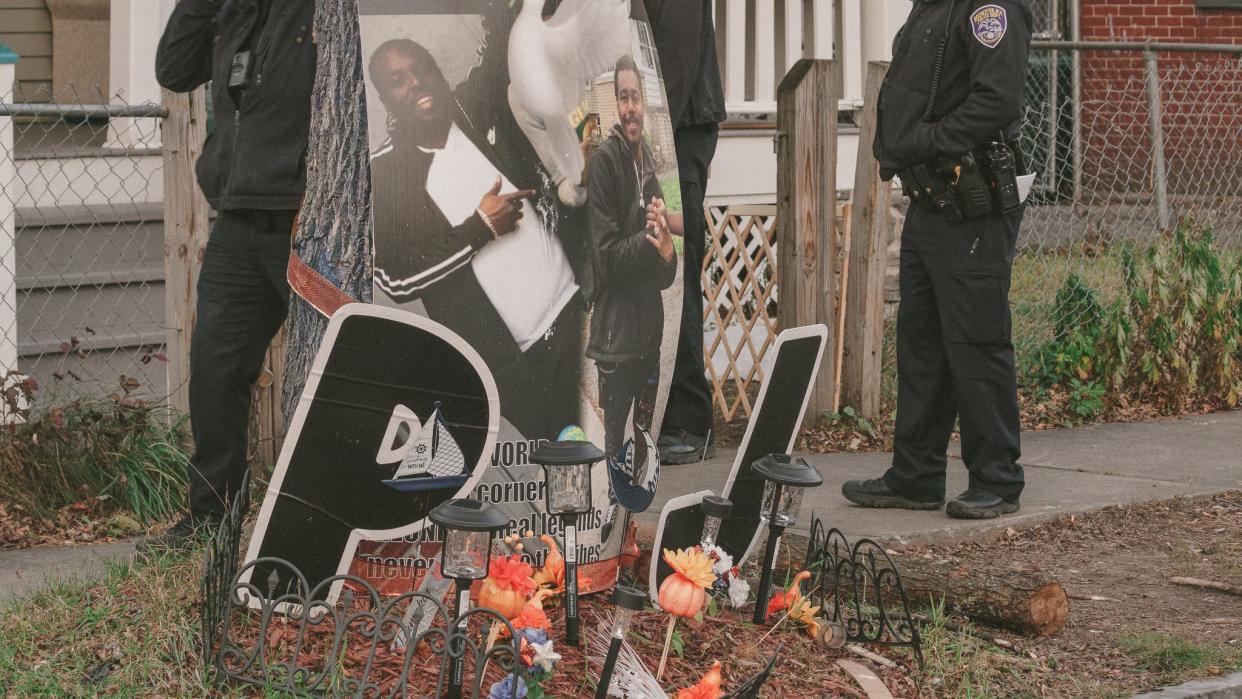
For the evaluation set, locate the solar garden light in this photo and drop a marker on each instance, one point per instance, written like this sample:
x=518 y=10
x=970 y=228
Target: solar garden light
x=469 y=526
x=626 y=602
x=787 y=477
x=715 y=510
x=567 y=475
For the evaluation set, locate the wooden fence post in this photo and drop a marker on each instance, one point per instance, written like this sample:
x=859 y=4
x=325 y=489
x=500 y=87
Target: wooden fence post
x=267 y=426
x=185 y=234
x=806 y=186
x=864 y=299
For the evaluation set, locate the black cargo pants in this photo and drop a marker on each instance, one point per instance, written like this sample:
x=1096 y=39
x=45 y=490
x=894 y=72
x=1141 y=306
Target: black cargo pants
x=243 y=298
x=955 y=359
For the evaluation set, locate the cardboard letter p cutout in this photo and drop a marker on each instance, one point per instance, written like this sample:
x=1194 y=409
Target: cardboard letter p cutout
x=399 y=415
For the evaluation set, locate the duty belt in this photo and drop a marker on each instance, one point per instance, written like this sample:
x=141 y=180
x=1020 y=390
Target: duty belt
x=967 y=187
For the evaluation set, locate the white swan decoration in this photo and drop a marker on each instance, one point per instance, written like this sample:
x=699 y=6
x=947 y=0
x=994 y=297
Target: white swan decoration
x=550 y=66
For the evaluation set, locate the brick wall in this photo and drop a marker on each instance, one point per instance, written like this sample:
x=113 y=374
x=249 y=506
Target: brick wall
x=1194 y=88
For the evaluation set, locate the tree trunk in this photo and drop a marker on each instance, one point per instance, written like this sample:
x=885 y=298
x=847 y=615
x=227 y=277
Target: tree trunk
x=1029 y=602
x=334 y=236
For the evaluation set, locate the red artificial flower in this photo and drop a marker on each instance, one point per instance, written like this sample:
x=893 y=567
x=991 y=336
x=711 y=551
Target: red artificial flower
x=512 y=573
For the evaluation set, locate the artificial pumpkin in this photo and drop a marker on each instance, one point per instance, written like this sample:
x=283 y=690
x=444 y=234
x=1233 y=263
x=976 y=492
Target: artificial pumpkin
x=508 y=585
x=684 y=593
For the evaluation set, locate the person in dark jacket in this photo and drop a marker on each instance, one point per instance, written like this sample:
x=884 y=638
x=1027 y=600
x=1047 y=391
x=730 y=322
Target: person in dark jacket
x=496 y=267
x=260 y=58
x=635 y=261
x=955 y=86
x=686 y=40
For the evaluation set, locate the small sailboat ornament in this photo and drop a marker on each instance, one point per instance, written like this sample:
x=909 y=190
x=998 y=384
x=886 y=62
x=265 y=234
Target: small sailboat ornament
x=434 y=460
x=623 y=471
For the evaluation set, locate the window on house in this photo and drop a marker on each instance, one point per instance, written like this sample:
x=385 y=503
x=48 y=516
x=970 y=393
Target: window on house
x=646 y=43
x=1219 y=4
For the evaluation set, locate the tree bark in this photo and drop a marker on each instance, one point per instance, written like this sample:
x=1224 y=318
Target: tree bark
x=334 y=236
x=1029 y=602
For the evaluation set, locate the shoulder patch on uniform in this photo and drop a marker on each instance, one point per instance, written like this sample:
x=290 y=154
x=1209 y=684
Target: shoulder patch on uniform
x=989 y=23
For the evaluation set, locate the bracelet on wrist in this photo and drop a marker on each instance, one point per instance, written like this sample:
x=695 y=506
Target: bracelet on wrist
x=487 y=221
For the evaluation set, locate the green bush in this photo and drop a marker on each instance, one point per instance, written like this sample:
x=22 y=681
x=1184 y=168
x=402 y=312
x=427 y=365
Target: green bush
x=124 y=451
x=1170 y=340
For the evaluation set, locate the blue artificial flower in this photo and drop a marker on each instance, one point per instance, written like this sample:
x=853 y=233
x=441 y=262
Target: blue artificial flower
x=534 y=636
x=504 y=688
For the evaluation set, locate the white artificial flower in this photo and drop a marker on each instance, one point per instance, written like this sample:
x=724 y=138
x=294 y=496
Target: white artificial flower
x=723 y=563
x=739 y=591
x=545 y=657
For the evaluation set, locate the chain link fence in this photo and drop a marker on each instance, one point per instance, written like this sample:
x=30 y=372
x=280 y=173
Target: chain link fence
x=83 y=308
x=1127 y=142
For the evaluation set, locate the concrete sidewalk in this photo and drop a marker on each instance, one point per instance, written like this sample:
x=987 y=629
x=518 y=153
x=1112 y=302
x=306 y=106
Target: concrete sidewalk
x=1067 y=471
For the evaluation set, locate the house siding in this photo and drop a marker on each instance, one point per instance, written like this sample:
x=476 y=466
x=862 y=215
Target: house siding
x=26 y=28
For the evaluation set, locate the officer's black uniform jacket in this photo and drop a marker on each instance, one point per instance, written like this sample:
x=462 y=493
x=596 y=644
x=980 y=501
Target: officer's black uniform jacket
x=627 y=323
x=420 y=255
x=256 y=156
x=981 y=87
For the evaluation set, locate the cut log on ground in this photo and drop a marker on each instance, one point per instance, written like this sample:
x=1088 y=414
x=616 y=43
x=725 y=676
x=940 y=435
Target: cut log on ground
x=1030 y=603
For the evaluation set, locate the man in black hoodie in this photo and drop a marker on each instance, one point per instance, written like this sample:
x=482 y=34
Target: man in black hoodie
x=260 y=58
x=635 y=261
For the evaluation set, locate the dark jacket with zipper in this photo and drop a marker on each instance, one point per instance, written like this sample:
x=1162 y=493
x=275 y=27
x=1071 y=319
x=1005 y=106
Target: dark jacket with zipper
x=982 y=80
x=627 y=323
x=256 y=156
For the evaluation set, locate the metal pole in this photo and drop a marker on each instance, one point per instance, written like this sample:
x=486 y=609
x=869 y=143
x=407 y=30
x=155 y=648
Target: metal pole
x=1076 y=57
x=1054 y=78
x=1155 y=118
x=610 y=662
x=457 y=640
x=571 y=579
x=769 y=559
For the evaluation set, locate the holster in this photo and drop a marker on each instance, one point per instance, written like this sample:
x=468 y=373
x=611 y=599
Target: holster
x=967 y=187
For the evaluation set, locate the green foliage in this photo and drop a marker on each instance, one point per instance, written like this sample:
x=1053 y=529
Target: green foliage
x=849 y=418
x=1161 y=653
x=1170 y=340
x=125 y=452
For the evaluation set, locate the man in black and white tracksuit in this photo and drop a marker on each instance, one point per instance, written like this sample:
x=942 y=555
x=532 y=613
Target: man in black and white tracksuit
x=634 y=262
x=467 y=221
x=949 y=113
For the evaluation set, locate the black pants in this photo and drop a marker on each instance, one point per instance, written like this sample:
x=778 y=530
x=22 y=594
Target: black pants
x=955 y=357
x=539 y=390
x=624 y=386
x=689 y=394
x=243 y=298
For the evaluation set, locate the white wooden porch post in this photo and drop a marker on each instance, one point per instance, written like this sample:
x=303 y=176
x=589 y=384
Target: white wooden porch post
x=8 y=232
x=135 y=28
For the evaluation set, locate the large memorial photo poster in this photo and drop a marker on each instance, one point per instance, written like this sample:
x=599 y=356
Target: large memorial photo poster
x=525 y=195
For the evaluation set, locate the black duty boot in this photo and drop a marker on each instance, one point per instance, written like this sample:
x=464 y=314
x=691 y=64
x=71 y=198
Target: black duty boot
x=876 y=493
x=979 y=504
x=681 y=447
x=186 y=534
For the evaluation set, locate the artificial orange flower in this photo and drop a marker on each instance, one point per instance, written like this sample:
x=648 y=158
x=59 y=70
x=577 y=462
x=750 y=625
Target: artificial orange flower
x=692 y=563
x=790 y=596
x=552 y=574
x=512 y=573
x=533 y=616
x=708 y=687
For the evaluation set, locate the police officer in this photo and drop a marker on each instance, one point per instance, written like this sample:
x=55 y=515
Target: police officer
x=949 y=115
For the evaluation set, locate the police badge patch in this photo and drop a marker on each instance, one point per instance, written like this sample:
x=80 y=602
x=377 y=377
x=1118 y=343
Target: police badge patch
x=989 y=24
